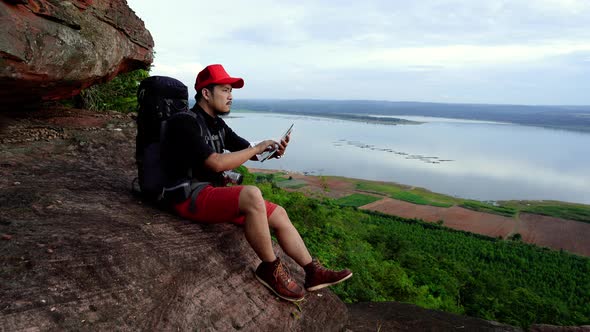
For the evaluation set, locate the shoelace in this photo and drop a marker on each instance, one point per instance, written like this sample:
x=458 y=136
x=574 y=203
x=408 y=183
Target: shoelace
x=281 y=271
x=318 y=267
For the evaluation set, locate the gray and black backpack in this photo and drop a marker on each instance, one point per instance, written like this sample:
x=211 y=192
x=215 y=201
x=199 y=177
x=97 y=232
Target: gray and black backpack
x=159 y=98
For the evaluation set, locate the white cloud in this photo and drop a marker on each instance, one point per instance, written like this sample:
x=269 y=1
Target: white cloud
x=299 y=39
x=470 y=55
x=160 y=68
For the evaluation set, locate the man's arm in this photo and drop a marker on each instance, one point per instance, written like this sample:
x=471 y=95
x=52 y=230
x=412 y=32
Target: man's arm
x=219 y=162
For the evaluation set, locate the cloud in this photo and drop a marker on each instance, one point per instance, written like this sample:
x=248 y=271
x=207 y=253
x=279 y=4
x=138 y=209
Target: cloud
x=470 y=55
x=160 y=68
x=314 y=44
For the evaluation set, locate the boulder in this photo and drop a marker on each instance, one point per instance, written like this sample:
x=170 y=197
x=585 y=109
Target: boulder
x=52 y=49
x=79 y=252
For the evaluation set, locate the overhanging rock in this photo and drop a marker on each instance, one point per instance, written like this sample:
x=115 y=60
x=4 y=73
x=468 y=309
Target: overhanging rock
x=52 y=49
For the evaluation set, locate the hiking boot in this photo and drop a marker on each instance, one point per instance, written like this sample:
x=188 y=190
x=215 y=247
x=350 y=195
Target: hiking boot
x=275 y=276
x=318 y=277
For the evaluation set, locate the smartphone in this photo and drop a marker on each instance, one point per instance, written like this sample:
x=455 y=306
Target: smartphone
x=268 y=154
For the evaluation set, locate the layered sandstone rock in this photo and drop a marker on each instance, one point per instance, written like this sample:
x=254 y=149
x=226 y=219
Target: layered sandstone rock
x=51 y=49
x=79 y=252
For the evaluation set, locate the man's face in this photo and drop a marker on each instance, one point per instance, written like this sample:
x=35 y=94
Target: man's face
x=221 y=99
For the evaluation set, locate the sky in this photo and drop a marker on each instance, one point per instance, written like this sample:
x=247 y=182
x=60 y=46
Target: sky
x=533 y=52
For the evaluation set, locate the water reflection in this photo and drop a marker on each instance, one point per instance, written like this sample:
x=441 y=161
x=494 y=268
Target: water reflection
x=471 y=159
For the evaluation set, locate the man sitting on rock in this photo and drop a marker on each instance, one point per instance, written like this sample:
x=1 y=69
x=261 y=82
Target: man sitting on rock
x=205 y=137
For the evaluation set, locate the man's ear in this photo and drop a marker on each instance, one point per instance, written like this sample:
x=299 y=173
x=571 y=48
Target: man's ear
x=205 y=92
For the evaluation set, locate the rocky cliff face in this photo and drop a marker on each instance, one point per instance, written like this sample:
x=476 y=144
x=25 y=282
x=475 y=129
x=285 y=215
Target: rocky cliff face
x=51 y=49
x=79 y=252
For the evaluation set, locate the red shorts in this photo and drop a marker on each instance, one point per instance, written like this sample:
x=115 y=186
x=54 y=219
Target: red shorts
x=217 y=205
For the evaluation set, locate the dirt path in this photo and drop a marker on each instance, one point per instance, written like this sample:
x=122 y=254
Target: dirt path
x=544 y=231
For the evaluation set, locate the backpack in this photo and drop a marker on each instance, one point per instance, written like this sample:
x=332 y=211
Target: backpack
x=159 y=98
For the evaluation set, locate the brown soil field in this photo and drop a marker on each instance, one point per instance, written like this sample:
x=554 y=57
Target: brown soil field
x=556 y=233
x=545 y=231
x=454 y=217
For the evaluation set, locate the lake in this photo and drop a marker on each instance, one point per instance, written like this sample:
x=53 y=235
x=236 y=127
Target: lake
x=469 y=159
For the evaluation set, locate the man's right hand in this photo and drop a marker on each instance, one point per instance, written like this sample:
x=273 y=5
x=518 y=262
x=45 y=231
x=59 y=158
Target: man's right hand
x=267 y=145
x=219 y=162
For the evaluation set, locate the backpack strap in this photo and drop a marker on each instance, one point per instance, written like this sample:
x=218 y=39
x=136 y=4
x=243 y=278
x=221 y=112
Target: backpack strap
x=210 y=138
x=183 y=186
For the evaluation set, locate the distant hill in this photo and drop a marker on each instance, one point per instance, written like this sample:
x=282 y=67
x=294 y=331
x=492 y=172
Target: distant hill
x=563 y=117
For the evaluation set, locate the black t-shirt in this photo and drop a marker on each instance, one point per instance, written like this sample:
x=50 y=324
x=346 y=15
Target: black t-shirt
x=186 y=147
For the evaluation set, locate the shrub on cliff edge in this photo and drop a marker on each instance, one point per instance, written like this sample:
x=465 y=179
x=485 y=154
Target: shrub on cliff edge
x=118 y=94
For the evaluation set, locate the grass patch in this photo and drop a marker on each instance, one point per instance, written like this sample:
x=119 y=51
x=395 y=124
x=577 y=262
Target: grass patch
x=437 y=199
x=270 y=177
x=356 y=200
x=387 y=189
x=572 y=211
x=415 y=196
x=417 y=199
x=489 y=208
x=280 y=179
x=560 y=211
x=294 y=186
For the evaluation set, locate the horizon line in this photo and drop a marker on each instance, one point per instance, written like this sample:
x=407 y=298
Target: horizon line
x=415 y=102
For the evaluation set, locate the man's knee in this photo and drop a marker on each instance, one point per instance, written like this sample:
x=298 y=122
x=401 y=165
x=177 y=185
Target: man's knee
x=279 y=213
x=279 y=218
x=251 y=200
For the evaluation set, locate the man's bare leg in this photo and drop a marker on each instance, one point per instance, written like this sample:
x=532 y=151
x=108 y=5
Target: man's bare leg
x=256 y=225
x=271 y=272
x=289 y=237
x=316 y=276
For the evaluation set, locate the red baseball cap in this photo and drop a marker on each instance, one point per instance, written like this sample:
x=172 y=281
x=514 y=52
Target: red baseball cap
x=215 y=74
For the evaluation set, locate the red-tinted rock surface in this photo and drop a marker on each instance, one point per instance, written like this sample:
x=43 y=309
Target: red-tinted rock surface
x=85 y=254
x=51 y=49
x=395 y=316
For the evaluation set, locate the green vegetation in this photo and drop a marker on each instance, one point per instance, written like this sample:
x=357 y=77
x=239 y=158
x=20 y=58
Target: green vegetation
x=414 y=195
x=381 y=188
x=118 y=94
x=270 y=177
x=356 y=200
x=294 y=186
x=397 y=259
x=417 y=199
x=567 y=212
x=279 y=178
x=489 y=208
x=570 y=211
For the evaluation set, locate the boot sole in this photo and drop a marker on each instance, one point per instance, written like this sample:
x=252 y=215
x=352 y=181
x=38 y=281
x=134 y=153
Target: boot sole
x=290 y=299
x=320 y=286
